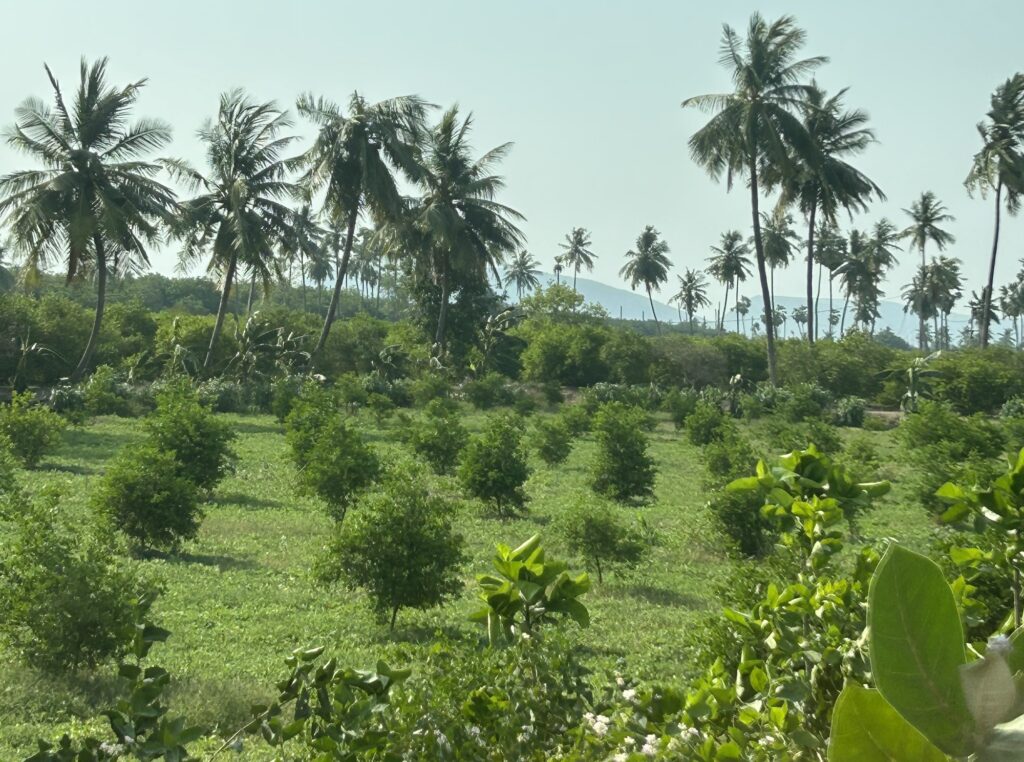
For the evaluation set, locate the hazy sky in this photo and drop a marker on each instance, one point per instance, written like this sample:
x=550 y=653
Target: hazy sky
x=588 y=91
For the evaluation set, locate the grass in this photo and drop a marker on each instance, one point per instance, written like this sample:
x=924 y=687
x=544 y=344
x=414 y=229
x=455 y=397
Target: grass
x=241 y=597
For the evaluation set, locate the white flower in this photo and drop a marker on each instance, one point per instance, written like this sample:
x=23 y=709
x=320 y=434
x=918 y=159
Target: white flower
x=602 y=719
x=619 y=681
x=620 y=757
x=629 y=741
x=526 y=636
x=600 y=728
x=691 y=733
x=629 y=694
x=589 y=717
x=649 y=749
x=651 y=738
x=474 y=731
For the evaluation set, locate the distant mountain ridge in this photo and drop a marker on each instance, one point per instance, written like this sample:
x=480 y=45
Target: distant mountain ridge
x=633 y=305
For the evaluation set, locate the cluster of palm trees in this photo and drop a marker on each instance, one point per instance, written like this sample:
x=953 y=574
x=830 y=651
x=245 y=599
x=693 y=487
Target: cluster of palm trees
x=95 y=204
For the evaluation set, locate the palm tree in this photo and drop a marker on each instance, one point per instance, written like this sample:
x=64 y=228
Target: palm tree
x=524 y=272
x=730 y=265
x=742 y=309
x=353 y=160
x=779 y=239
x=800 y=317
x=577 y=252
x=831 y=251
x=648 y=265
x=692 y=294
x=302 y=243
x=862 y=273
x=824 y=182
x=469 y=232
x=319 y=267
x=754 y=129
x=95 y=205
x=926 y=214
x=999 y=165
x=238 y=217
x=945 y=287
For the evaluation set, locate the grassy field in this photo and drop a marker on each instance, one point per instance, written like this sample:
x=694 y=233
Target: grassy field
x=241 y=596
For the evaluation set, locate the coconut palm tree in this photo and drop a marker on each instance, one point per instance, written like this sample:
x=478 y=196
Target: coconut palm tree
x=692 y=294
x=824 y=182
x=302 y=243
x=945 y=287
x=779 y=240
x=730 y=264
x=830 y=251
x=999 y=166
x=524 y=272
x=742 y=309
x=648 y=264
x=558 y=270
x=577 y=252
x=238 y=217
x=755 y=130
x=353 y=161
x=469 y=232
x=95 y=205
x=926 y=214
x=800 y=318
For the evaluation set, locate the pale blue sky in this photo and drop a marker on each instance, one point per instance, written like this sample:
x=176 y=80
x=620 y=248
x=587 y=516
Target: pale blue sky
x=588 y=91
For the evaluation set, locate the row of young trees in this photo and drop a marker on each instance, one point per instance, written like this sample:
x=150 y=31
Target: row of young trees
x=97 y=204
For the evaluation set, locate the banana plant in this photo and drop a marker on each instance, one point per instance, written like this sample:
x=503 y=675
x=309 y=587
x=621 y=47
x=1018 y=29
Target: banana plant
x=918 y=377
x=528 y=590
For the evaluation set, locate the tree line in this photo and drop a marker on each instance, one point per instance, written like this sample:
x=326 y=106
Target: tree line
x=97 y=202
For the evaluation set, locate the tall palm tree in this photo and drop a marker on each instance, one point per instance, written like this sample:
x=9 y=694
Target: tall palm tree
x=779 y=239
x=353 y=160
x=95 y=205
x=524 y=272
x=558 y=270
x=830 y=251
x=926 y=214
x=577 y=252
x=824 y=181
x=239 y=216
x=945 y=287
x=999 y=166
x=468 y=230
x=730 y=264
x=800 y=317
x=648 y=264
x=302 y=243
x=755 y=128
x=319 y=266
x=742 y=309
x=692 y=294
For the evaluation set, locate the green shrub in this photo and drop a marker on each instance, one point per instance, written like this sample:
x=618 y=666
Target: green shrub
x=849 y=411
x=879 y=422
x=224 y=396
x=1012 y=408
x=351 y=390
x=680 y=405
x=381 y=406
x=494 y=466
x=594 y=532
x=199 y=442
x=104 y=394
x=552 y=392
x=33 y=430
x=284 y=391
x=439 y=436
x=729 y=458
x=339 y=466
x=803 y=402
x=429 y=387
x=399 y=547
x=552 y=440
x=144 y=495
x=862 y=455
x=68 y=401
x=489 y=391
x=315 y=408
x=646 y=397
x=576 y=419
x=525 y=404
x=67 y=600
x=785 y=436
x=738 y=515
x=623 y=469
x=937 y=426
x=706 y=424
x=979 y=381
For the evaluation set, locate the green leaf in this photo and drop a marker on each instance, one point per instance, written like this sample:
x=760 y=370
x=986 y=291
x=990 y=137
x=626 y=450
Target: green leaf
x=865 y=728
x=917 y=648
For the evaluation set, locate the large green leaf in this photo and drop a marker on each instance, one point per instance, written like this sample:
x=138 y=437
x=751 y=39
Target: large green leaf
x=917 y=648
x=866 y=728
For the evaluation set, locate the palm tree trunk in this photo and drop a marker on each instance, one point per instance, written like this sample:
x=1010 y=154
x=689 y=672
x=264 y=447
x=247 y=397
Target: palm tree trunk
x=679 y=309
x=575 y=272
x=338 y=280
x=736 y=306
x=921 y=343
x=222 y=309
x=302 y=272
x=252 y=288
x=810 y=275
x=842 y=323
x=987 y=294
x=440 y=338
x=101 y=302
x=830 y=281
x=725 y=305
x=817 y=302
x=689 y=316
x=650 y=298
x=762 y=273
x=772 y=286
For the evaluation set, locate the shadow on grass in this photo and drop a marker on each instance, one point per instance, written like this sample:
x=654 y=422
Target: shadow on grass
x=93 y=446
x=223 y=563
x=246 y=501
x=67 y=468
x=258 y=428
x=659 y=596
x=418 y=634
x=32 y=695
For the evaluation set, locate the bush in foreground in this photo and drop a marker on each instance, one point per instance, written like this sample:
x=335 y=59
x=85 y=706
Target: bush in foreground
x=144 y=495
x=623 y=470
x=399 y=547
x=201 y=443
x=32 y=430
